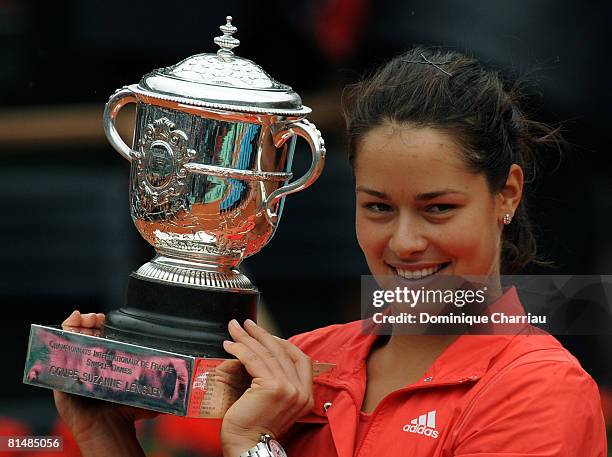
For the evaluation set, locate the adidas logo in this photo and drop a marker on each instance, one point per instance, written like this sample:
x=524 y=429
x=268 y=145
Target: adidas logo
x=425 y=424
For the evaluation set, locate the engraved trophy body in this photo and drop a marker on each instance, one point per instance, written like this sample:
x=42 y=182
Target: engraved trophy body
x=210 y=168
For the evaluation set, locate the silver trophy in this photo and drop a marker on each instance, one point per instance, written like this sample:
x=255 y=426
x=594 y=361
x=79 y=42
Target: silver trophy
x=210 y=167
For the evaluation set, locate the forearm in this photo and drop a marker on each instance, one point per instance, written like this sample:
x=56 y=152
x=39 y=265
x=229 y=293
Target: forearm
x=118 y=440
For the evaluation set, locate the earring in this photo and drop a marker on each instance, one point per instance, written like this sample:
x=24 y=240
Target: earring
x=507 y=219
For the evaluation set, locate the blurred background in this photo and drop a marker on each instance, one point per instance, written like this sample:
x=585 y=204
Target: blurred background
x=69 y=243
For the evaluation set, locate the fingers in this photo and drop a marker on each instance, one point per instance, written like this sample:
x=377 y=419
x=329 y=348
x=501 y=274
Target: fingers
x=303 y=363
x=90 y=320
x=73 y=320
x=274 y=347
x=303 y=366
x=257 y=360
x=253 y=364
x=280 y=362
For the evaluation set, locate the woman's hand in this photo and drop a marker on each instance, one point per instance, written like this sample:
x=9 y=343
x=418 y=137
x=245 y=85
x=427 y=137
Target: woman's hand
x=280 y=392
x=98 y=426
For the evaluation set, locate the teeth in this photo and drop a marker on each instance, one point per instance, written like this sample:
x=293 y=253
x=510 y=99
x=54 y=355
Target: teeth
x=418 y=274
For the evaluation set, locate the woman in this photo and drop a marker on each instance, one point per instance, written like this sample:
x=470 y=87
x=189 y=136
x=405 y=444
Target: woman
x=441 y=153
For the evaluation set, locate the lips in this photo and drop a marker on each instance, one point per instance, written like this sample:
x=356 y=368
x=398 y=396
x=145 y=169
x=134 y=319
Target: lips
x=419 y=273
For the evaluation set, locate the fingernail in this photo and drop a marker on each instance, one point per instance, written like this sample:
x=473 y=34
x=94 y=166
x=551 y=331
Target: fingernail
x=250 y=322
x=234 y=323
x=227 y=343
x=74 y=313
x=90 y=314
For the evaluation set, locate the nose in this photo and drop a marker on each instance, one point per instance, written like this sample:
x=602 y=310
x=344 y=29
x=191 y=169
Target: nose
x=408 y=237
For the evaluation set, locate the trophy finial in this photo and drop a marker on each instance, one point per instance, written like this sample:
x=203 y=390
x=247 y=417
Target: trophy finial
x=227 y=42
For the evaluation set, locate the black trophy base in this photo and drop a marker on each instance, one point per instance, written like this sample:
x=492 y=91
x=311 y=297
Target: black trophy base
x=179 y=319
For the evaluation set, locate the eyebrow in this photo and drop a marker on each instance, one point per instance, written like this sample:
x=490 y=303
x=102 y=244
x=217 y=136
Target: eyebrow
x=419 y=197
x=437 y=193
x=372 y=192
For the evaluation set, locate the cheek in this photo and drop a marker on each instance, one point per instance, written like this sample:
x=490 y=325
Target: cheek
x=370 y=236
x=462 y=244
x=472 y=241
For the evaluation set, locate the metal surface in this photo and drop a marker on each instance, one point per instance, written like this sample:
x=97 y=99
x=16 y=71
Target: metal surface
x=207 y=185
x=210 y=167
x=120 y=98
x=213 y=215
x=223 y=81
x=194 y=274
x=80 y=362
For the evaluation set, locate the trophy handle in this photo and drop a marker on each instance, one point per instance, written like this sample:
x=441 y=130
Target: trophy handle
x=117 y=101
x=312 y=135
x=244 y=175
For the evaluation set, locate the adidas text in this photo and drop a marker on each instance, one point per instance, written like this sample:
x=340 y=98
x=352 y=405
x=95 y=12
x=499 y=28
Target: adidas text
x=421 y=430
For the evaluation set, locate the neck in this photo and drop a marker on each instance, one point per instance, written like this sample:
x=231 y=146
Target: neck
x=418 y=346
x=400 y=352
x=401 y=344
x=397 y=354
x=425 y=343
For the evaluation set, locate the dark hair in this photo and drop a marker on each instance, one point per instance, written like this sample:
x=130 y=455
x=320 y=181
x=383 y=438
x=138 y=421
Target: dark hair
x=459 y=96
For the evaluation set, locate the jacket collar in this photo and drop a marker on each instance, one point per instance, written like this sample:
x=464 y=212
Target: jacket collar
x=466 y=358
x=338 y=393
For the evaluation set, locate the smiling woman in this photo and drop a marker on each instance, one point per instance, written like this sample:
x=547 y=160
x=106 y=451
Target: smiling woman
x=442 y=156
x=421 y=210
x=446 y=123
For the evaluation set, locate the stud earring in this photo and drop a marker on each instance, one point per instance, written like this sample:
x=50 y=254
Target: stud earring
x=507 y=219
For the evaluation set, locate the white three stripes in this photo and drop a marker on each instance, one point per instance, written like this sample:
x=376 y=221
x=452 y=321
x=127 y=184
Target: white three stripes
x=428 y=419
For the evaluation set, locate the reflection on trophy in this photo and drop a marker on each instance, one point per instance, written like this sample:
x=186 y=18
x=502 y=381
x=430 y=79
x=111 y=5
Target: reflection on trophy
x=210 y=167
x=211 y=160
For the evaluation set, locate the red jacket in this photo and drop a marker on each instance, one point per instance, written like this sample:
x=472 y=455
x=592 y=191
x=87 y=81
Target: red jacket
x=485 y=395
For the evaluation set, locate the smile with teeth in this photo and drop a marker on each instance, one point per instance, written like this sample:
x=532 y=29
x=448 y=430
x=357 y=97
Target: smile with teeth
x=419 y=274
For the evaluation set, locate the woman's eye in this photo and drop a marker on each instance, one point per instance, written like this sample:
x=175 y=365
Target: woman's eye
x=377 y=207
x=440 y=208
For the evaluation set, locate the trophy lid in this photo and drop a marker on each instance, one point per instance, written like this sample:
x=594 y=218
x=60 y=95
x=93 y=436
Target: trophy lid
x=222 y=81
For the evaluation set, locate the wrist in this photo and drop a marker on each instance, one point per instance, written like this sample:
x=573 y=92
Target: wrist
x=235 y=441
x=265 y=447
x=235 y=449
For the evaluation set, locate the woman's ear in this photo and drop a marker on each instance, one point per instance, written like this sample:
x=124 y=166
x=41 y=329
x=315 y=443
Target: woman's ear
x=510 y=195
